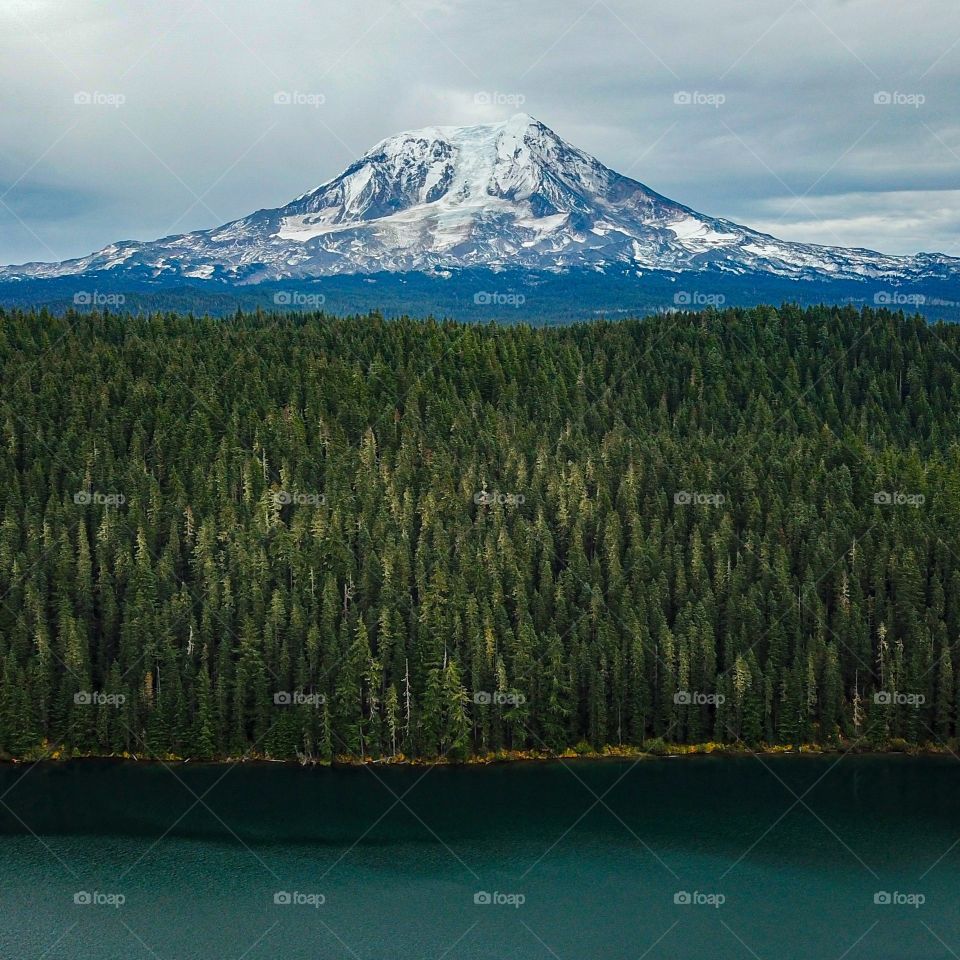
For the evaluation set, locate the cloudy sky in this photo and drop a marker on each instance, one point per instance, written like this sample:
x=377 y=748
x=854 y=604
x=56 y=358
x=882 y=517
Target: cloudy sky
x=830 y=121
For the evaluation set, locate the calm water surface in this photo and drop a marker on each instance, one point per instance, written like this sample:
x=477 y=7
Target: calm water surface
x=781 y=858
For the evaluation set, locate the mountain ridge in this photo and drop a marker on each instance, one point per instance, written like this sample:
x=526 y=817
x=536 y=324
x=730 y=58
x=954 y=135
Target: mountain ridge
x=500 y=196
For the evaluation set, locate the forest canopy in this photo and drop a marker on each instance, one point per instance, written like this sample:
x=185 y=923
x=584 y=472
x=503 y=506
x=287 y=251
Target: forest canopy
x=309 y=536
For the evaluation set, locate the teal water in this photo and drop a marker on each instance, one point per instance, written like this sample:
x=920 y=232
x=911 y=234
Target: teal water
x=586 y=858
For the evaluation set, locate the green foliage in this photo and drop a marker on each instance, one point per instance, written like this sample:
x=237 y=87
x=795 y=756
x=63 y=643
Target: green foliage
x=312 y=537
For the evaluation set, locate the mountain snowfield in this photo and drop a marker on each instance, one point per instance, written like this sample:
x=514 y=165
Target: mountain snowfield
x=500 y=196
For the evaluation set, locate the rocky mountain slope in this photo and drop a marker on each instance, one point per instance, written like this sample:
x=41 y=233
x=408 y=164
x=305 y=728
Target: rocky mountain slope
x=499 y=196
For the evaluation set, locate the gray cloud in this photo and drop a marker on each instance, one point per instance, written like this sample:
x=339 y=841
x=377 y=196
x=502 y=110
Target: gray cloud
x=798 y=147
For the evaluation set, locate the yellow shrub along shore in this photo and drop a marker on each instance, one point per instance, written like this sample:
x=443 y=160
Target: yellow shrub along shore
x=651 y=750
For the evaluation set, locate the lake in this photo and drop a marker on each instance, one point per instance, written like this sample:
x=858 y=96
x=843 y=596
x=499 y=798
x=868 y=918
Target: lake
x=771 y=858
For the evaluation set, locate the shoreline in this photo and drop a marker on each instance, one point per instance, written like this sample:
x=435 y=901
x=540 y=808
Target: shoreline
x=506 y=757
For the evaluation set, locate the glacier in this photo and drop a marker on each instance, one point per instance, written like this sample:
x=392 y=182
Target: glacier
x=502 y=196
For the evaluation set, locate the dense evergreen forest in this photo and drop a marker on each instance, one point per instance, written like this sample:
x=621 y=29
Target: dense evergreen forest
x=314 y=537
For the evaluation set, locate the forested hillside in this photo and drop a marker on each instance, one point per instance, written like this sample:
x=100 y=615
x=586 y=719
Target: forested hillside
x=315 y=536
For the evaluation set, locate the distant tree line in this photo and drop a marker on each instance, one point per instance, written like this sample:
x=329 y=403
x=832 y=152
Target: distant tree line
x=316 y=536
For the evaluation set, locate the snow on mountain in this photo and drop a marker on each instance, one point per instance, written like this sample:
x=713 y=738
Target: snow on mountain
x=503 y=195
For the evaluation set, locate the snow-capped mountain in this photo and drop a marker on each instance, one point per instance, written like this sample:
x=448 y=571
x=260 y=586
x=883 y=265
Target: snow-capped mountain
x=499 y=196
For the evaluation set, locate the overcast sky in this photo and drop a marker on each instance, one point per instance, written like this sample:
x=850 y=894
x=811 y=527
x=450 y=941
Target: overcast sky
x=182 y=132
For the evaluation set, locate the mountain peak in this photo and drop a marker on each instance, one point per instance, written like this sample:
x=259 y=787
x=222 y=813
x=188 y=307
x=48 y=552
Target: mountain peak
x=469 y=142
x=519 y=120
x=505 y=194
x=516 y=125
x=452 y=171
